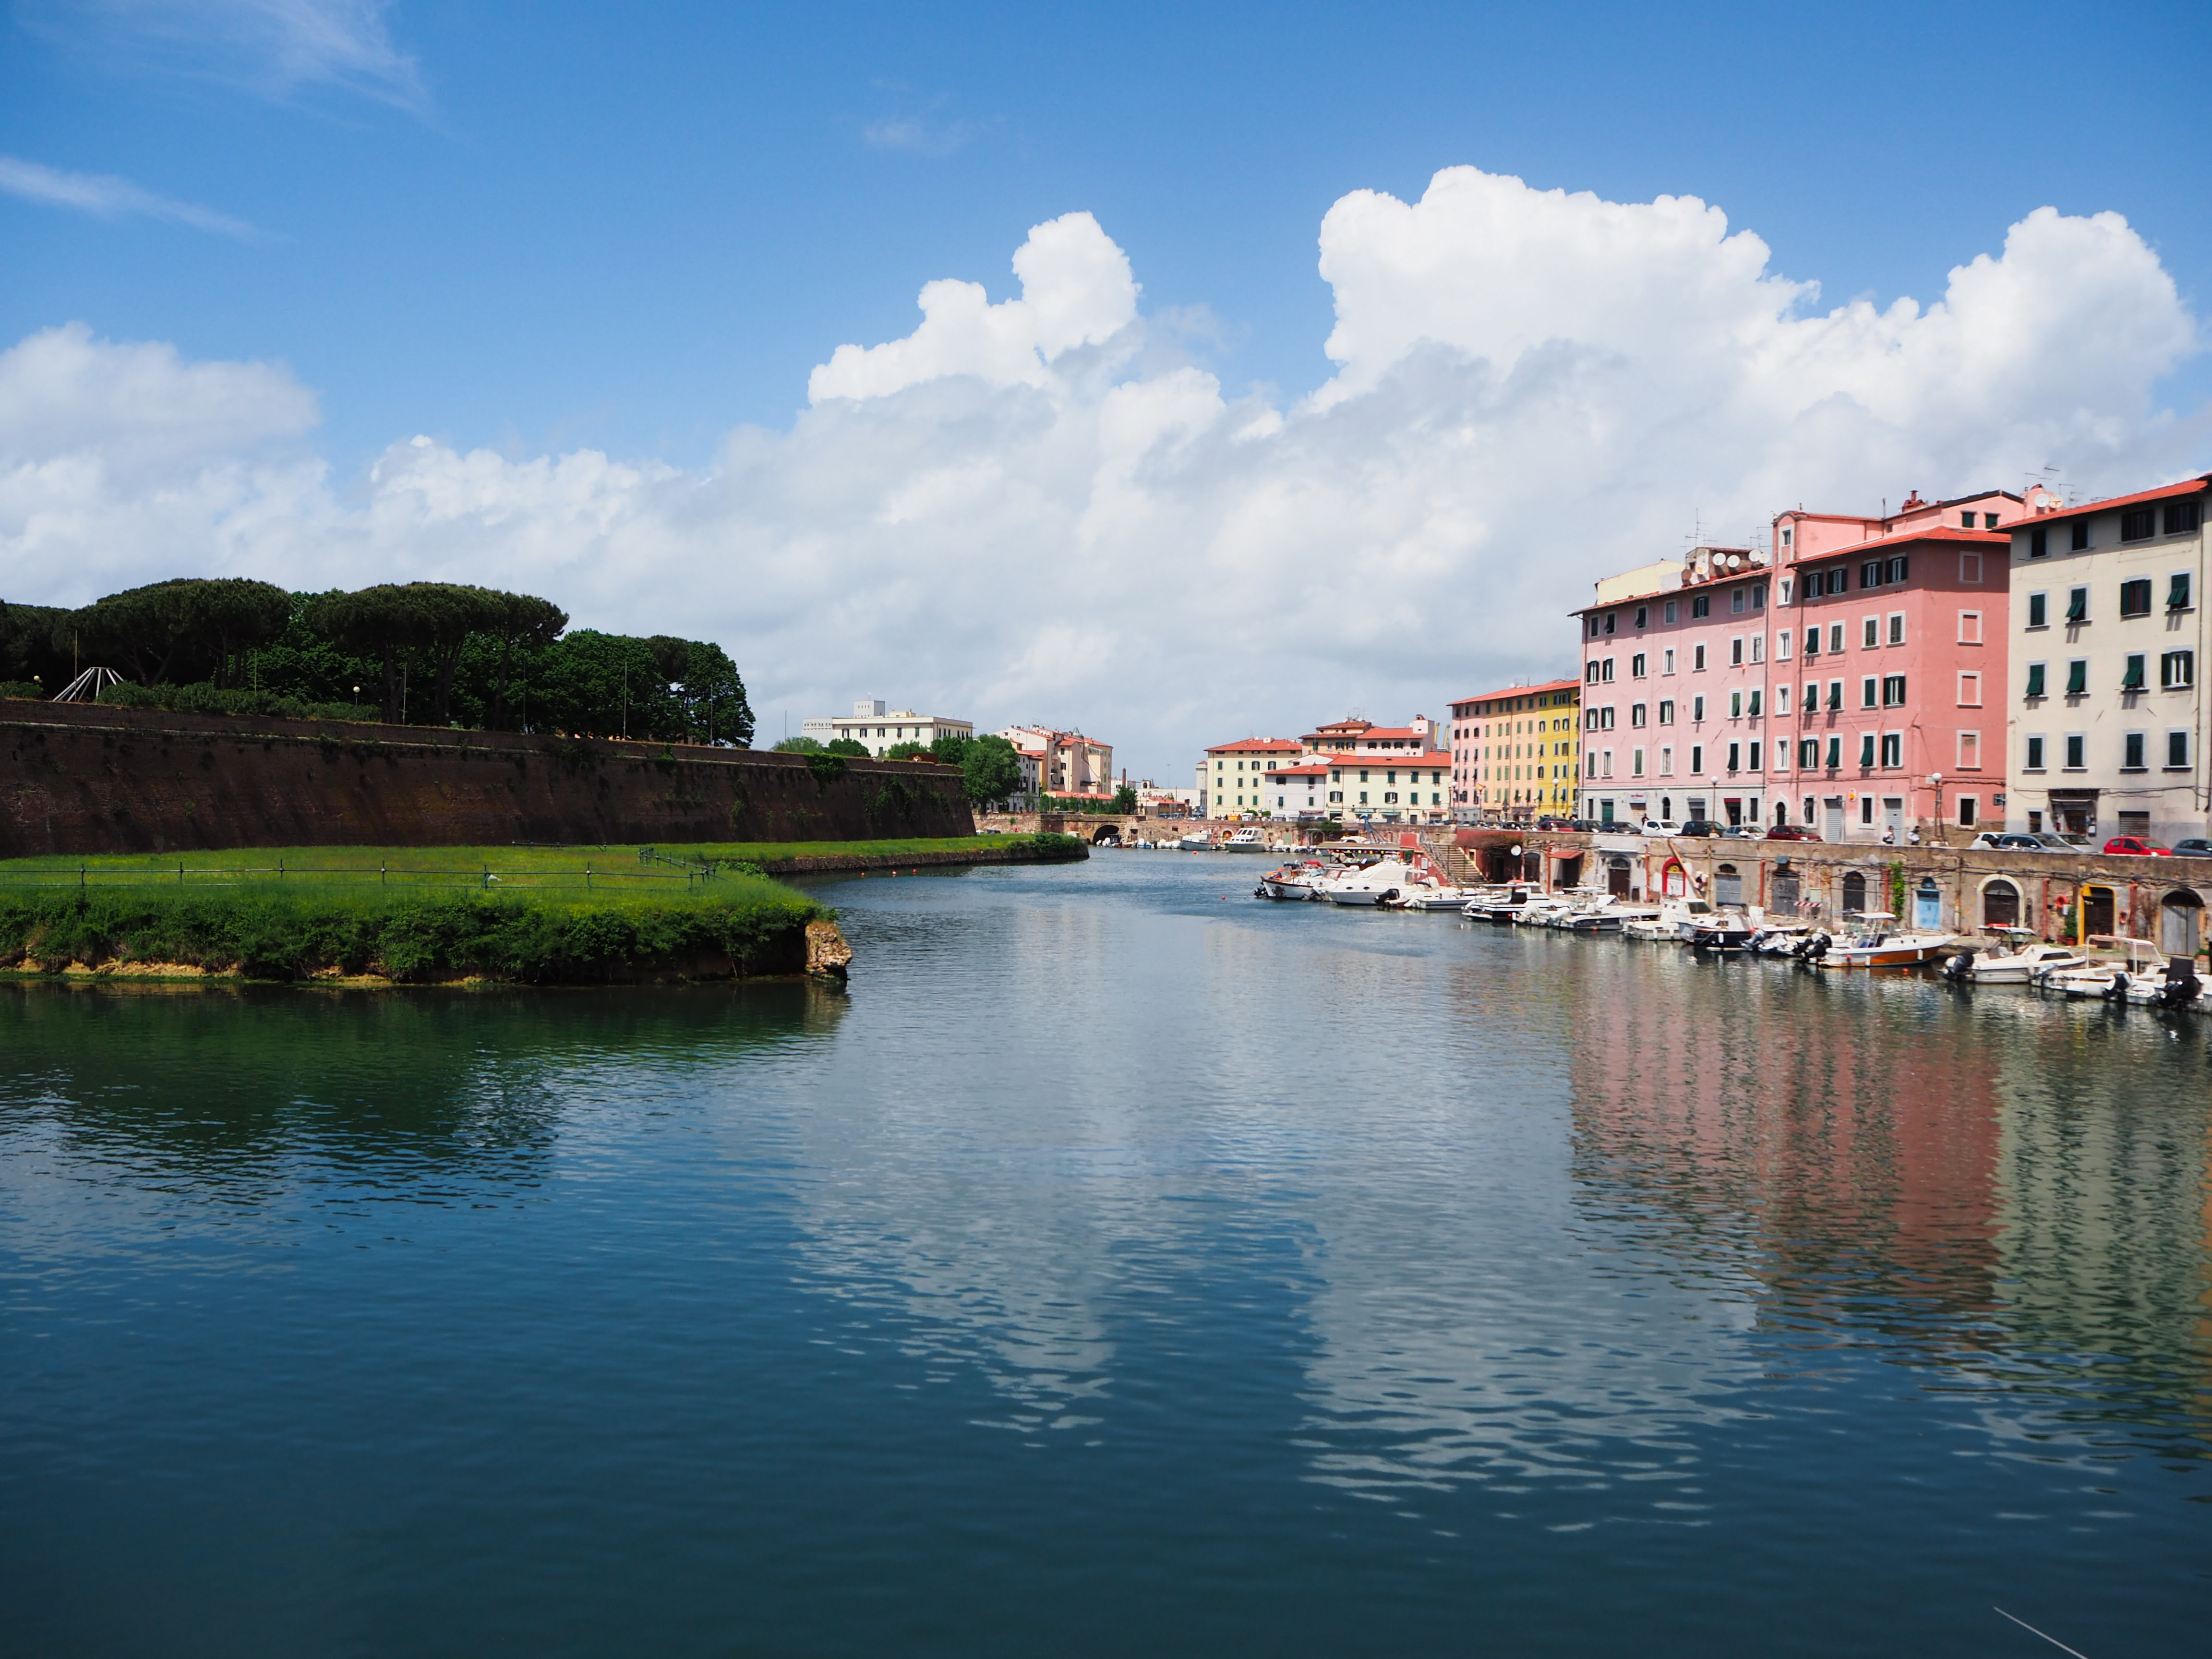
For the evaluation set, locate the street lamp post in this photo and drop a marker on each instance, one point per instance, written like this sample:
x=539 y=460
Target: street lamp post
x=1937 y=778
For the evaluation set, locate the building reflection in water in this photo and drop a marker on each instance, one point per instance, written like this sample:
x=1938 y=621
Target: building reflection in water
x=2009 y=1189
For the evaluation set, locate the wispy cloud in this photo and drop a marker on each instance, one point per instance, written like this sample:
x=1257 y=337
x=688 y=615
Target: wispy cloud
x=277 y=49
x=918 y=125
x=107 y=198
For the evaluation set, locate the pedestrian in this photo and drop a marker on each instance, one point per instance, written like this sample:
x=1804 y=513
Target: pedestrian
x=1889 y=835
x=1913 y=836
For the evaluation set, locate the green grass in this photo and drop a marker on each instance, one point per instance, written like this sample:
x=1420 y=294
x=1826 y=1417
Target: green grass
x=531 y=915
x=761 y=851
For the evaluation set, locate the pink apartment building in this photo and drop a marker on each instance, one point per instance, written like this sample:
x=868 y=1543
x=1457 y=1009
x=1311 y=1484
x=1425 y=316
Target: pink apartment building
x=1849 y=678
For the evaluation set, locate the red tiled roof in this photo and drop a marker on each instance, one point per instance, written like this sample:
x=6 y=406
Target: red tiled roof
x=2164 y=492
x=1934 y=532
x=1517 y=691
x=1256 y=746
x=1433 y=757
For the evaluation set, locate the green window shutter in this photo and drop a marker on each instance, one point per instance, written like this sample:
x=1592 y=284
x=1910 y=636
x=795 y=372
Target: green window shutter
x=2077 y=677
x=2035 y=679
x=1866 y=749
x=2077 y=606
x=2133 y=679
x=2177 y=597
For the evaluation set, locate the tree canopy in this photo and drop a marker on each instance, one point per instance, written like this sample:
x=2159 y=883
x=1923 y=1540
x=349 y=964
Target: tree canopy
x=187 y=628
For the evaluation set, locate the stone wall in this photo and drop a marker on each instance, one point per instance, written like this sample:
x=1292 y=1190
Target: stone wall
x=82 y=778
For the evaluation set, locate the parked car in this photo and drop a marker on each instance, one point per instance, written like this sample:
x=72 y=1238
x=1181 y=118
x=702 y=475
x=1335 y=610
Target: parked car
x=2044 y=843
x=1998 y=840
x=1791 y=832
x=1661 y=826
x=1700 y=827
x=2138 y=847
x=2196 y=847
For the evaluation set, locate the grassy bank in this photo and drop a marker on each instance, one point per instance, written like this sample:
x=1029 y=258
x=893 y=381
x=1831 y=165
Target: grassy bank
x=414 y=915
x=794 y=857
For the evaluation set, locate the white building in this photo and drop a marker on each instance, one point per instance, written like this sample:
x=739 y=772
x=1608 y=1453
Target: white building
x=878 y=728
x=1066 y=763
x=2105 y=716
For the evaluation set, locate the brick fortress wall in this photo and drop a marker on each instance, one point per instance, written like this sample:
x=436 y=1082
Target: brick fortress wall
x=84 y=779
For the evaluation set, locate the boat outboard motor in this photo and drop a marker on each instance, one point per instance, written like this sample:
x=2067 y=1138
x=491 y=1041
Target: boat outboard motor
x=1389 y=897
x=2117 y=990
x=1261 y=891
x=1959 y=967
x=2181 y=988
x=1816 y=947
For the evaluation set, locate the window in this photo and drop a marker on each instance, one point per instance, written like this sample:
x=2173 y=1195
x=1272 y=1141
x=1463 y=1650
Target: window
x=2177 y=749
x=1752 y=759
x=1643 y=615
x=1609 y=620
x=1812 y=641
x=1866 y=692
x=1667 y=612
x=1871 y=573
x=1666 y=711
x=1783 y=596
x=1754 y=705
x=2079 y=542
x=1735 y=602
x=1697 y=710
x=1892 y=748
x=1605 y=718
x=1605 y=670
x=1636 y=711
x=2078 y=677
x=1735 y=652
x=1865 y=748
x=2035 y=679
x=1966 y=520
x=2034 y=763
x=2131 y=752
x=1696 y=660
x=1635 y=666
x=2077 y=750
x=1970 y=689
x=1897 y=628
x=1736 y=757
x=2135 y=597
x=1870 y=633
x=2039 y=544
x=1589 y=672
x=1758 y=648
x=1835 y=638
x=2139 y=524
x=1666 y=762
x=1812 y=698
x=1835 y=753
x=1701 y=605
x=2177 y=670
x=1636 y=762
x=1970 y=751
x=2182 y=517
x=1835 y=696
x=1969 y=627
x=1759 y=595
x=1896 y=569
x=1667 y=662
x=1697 y=758
x=1735 y=705
x=1966 y=804
x=2131 y=677
x=1782 y=700
x=2039 y=611
x=1970 y=564
x=1808 y=753
x=2077 y=605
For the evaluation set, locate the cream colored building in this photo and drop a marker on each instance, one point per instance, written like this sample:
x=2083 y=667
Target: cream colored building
x=1067 y=762
x=877 y=728
x=2105 y=713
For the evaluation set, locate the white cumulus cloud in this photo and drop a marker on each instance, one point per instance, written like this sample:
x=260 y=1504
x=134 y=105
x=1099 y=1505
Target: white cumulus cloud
x=1039 y=509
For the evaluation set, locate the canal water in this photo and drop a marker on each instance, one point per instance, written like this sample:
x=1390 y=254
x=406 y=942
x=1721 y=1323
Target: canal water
x=1122 y=1266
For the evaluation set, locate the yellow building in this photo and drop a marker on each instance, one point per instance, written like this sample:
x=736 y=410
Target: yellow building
x=1516 y=751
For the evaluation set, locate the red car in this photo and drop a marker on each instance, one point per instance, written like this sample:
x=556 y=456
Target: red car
x=2138 y=845
x=1790 y=832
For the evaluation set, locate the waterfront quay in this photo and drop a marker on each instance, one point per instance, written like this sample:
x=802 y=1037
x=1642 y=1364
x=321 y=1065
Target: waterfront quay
x=2070 y=897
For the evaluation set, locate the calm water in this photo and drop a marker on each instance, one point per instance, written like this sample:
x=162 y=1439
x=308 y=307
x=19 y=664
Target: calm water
x=1119 y=1267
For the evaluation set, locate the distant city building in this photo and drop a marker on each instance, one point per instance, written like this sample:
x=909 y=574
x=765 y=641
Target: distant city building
x=1347 y=771
x=1067 y=763
x=878 y=728
x=1515 y=752
x=2105 y=715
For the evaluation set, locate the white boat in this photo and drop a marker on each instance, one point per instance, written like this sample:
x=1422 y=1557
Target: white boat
x=1246 y=840
x=1295 y=881
x=1198 y=841
x=1498 y=904
x=1879 y=943
x=2024 y=959
x=1724 y=929
x=1433 y=897
x=1779 y=939
x=2110 y=977
x=1539 y=909
x=1672 y=925
x=1369 y=884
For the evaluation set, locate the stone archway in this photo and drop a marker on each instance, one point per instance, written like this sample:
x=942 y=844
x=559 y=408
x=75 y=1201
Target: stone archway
x=2180 y=922
x=2000 y=903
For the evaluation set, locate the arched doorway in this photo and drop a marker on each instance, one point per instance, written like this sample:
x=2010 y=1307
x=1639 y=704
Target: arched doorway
x=2096 y=911
x=1788 y=888
x=1928 y=904
x=1999 y=904
x=1616 y=876
x=1727 y=885
x=2180 y=922
x=1854 y=893
x=1672 y=881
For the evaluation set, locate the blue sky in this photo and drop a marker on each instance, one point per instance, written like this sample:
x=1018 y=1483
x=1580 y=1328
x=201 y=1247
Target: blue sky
x=548 y=229
x=634 y=226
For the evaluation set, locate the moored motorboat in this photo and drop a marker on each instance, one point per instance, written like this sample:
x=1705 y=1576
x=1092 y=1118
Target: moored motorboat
x=1198 y=841
x=1370 y=884
x=2021 y=959
x=1878 y=944
x=1297 y=881
x=1723 y=930
x=1246 y=840
x=2107 y=976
